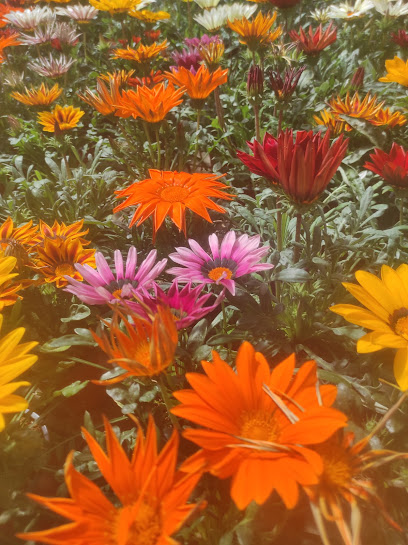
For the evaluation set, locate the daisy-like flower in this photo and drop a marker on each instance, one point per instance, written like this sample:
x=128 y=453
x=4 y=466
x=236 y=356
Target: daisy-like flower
x=346 y=10
x=101 y=286
x=8 y=286
x=352 y=106
x=114 y=6
x=211 y=54
x=53 y=31
x=148 y=16
x=13 y=79
x=238 y=10
x=321 y=15
x=60 y=119
x=207 y=4
x=29 y=19
x=344 y=483
x=143 y=54
x=122 y=76
x=257 y=426
x=186 y=304
x=332 y=122
x=314 y=41
x=104 y=100
x=142 y=347
x=397 y=70
x=80 y=14
x=168 y=193
x=213 y=19
x=56 y=260
x=19 y=241
x=386 y=118
x=386 y=314
x=14 y=360
x=150 y=104
x=151 y=502
x=391 y=8
x=198 y=85
x=256 y=33
x=42 y=96
x=60 y=231
x=51 y=67
x=235 y=257
x=188 y=58
x=392 y=166
x=284 y=85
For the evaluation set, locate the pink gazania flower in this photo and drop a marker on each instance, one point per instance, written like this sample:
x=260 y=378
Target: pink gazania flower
x=101 y=286
x=186 y=304
x=230 y=260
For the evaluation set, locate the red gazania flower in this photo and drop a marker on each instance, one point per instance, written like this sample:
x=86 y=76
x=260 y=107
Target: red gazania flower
x=302 y=168
x=392 y=166
x=258 y=425
x=314 y=41
x=400 y=38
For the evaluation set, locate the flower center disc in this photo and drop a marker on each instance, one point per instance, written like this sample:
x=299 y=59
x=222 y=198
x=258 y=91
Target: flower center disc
x=259 y=425
x=399 y=322
x=141 y=525
x=174 y=194
x=220 y=273
x=64 y=269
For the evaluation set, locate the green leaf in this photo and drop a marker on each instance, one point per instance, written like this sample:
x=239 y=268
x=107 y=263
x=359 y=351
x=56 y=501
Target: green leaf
x=72 y=389
x=78 y=312
x=292 y=275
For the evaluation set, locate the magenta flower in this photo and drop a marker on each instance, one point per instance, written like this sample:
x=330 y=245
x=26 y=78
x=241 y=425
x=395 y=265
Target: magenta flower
x=186 y=304
x=205 y=40
x=188 y=58
x=232 y=259
x=101 y=286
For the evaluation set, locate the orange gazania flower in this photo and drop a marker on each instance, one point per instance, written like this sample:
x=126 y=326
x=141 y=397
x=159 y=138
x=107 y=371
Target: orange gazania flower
x=104 y=99
x=61 y=232
x=168 y=193
x=150 y=81
x=151 y=496
x=143 y=54
x=60 y=119
x=198 y=85
x=257 y=424
x=256 y=33
x=8 y=285
x=335 y=124
x=57 y=259
x=43 y=96
x=122 y=76
x=19 y=241
x=367 y=108
x=150 y=104
x=385 y=117
x=145 y=348
x=342 y=483
x=7 y=41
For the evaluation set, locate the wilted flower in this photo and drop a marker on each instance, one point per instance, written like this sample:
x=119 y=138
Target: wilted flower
x=60 y=119
x=29 y=19
x=392 y=166
x=43 y=96
x=314 y=41
x=397 y=71
x=284 y=84
x=350 y=11
x=233 y=258
x=79 y=13
x=51 y=67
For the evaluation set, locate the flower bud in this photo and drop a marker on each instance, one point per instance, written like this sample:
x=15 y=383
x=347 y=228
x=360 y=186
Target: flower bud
x=255 y=81
x=358 y=79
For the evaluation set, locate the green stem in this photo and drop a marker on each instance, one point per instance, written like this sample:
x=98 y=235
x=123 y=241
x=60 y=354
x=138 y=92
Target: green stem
x=84 y=43
x=146 y=128
x=218 y=107
x=190 y=19
x=158 y=147
x=387 y=416
x=166 y=400
x=401 y=211
x=196 y=142
x=257 y=121
x=280 y=121
x=279 y=243
x=296 y=253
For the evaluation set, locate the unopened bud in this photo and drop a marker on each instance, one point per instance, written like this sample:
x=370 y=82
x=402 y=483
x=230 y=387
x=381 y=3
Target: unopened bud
x=357 y=80
x=255 y=81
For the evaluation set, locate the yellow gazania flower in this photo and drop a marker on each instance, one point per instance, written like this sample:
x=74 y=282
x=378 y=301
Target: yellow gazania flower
x=14 y=360
x=144 y=53
x=397 y=71
x=43 y=96
x=367 y=108
x=386 y=314
x=60 y=119
x=8 y=286
x=114 y=6
x=148 y=16
x=256 y=32
x=57 y=259
x=385 y=117
x=19 y=241
x=120 y=76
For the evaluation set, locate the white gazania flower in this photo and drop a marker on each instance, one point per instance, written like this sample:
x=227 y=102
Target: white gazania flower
x=213 y=19
x=350 y=11
x=60 y=31
x=29 y=19
x=51 y=67
x=391 y=8
x=207 y=4
x=321 y=15
x=13 y=79
x=238 y=11
x=80 y=14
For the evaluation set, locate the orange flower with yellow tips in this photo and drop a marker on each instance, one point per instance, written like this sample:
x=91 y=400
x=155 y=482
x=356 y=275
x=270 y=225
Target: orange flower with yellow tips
x=367 y=108
x=143 y=53
x=168 y=193
x=121 y=76
x=151 y=496
x=56 y=259
x=198 y=85
x=385 y=117
x=103 y=99
x=258 y=426
x=148 y=16
x=19 y=241
x=43 y=96
x=344 y=483
x=60 y=231
x=145 y=348
x=335 y=124
x=257 y=32
x=60 y=119
x=150 y=104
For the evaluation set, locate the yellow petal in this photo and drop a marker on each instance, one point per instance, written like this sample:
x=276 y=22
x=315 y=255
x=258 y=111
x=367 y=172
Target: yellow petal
x=13 y=404
x=365 y=299
x=377 y=289
x=11 y=387
x=9 y=342
x=361 y=317
x=395 y=285
x=401 y=368
x=365 y=345
x=9 y=372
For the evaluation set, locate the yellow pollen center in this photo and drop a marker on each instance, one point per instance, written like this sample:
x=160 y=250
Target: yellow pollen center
x=401 y=327
x=259 y=425
x=174 y=194
x=64 y=269
x=138 y=524
x=337 y=465
x=220 y=272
